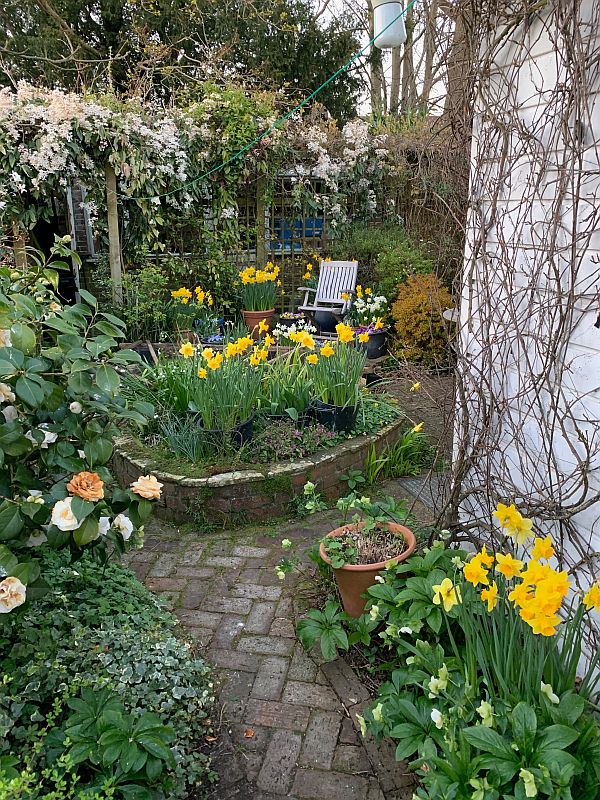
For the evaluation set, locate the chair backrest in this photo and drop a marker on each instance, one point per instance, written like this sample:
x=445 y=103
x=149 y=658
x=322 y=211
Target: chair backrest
x=336 y=277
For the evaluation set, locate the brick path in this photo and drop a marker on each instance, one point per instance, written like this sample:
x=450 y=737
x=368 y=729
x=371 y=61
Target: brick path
x=288 y=726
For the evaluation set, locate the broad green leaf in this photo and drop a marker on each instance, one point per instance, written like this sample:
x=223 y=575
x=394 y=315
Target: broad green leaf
x=86 y=532
x=59 y=324
x=7 y=560
x=489 y=741
x=23 y=337
x=11 y=521
x=98 y=451
x=107 y=379
x=30 y=391
x=81 y=508
x=88 y=298
x=524 y=725
x=27 y=571
x=557 y=737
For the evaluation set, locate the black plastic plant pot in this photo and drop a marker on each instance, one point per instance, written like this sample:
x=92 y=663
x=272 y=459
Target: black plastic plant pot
x=326 y=321
x=335 y=418
x=239 y=436
x=376 y=347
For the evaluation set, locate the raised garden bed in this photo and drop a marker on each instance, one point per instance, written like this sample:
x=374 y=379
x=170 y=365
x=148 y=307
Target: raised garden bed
x=255 y=494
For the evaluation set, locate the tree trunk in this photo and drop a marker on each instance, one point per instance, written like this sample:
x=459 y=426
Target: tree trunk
x=114 y=247
x=19 y=247
x=375 y=69
x=395 y=85
x=409 y=84
x=429 y=47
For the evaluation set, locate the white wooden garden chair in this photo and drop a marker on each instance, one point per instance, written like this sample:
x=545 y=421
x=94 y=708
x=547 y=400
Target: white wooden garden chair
x=335 y=278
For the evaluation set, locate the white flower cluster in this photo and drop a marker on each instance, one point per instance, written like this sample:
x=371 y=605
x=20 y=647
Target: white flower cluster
x=283 y=331
x=368 y=308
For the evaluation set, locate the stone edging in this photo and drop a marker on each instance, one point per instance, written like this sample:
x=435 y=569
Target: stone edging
x=231 y=498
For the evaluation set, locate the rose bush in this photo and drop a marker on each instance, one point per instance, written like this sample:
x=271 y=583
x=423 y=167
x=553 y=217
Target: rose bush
x=61 y=406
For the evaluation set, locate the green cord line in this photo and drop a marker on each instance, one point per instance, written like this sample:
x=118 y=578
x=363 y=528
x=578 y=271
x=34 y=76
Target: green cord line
x=279 y=122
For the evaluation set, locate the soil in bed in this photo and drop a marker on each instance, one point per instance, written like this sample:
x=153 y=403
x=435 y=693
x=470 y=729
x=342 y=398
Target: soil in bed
x=373 y=546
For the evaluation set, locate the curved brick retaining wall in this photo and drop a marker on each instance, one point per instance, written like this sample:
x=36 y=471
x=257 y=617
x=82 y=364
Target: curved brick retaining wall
x=231 y=498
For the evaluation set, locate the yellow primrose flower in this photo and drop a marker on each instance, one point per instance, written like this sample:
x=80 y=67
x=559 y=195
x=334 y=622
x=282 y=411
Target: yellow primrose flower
x=215 y=362
x=312 y=358
x=475 y=573
x=378 y=324
x=363 y=337
x=491 y=596
x=327 y=350
x=447 y=594
x=591 y=598
x=542 y=548
x=546 y=688
x=415 y=387
x=418 y=428
x=344 y=332
x=263 y=326
x=187 y=350
x=202 y=373
x=486 y=712
x=528 y=779
x=508 y=566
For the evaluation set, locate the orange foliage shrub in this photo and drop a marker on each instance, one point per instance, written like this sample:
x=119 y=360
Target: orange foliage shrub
x=422 y=332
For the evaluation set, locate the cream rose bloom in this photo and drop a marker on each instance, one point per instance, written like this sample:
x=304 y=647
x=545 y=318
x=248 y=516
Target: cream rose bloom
x=6 y=393
x=124 y=525
x=147 y=486
x=12 y=594
x=63 y=517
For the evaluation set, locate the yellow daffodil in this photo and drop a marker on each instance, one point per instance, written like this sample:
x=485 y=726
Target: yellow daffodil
x=344 y=332
x=378 y=324
x=307 y=341
x=327 y=350
x=215 y=362
x=209 y=299
x=542 y=548
x=200 y=294
x=483 y=557
x=187 y=350
x=521 y=595
x=263 y=326
x=363 y=337
x=309 y=267
x=306 y=276
x=490 y=595
x=345 y=296
x=182 y=294
x=508 y=566
x=231 y=350
x=418 y=428
x=254 y=360
x=269 y=340
x=591 y=598
x=447 y=594
x=415 y=387
x=202 y=373
x=543 y=625
x=475 y=573
x=368 y=290
x=327 y=259
x=359 y=291
x=208 y=353
x=312 y=358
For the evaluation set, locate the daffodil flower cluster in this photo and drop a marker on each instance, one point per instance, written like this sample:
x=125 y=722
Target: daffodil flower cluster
x=259 y=287
x=368 y=309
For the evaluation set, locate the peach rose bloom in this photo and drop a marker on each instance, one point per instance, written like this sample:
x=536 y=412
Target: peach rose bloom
x=147 y=486
x=12 y=594
x=86 y=485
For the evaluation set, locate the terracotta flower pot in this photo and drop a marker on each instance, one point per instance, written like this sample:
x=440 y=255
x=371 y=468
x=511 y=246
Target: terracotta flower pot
x=353 y=580
x=254 y=318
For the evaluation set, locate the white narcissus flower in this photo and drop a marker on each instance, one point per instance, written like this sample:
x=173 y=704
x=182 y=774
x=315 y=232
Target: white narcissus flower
x=12 y=594
x=75 y=407
x=546 y=688
x=124 y=525
x=10 y=413
x=437 y=718
x=63 y=517
x=103 y=526
x=6 y=393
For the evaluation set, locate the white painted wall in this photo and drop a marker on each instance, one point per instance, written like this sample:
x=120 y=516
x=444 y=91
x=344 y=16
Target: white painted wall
x=538 y=152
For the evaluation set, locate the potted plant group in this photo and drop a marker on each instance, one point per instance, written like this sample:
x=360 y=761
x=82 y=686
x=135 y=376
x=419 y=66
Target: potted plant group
x=370 y=537
x=192 y=313
x=366 y=317
x=258 y=296
x=336 y=373
x=287 y=390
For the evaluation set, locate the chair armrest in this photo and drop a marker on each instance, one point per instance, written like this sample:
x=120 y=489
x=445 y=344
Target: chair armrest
x=305 y=289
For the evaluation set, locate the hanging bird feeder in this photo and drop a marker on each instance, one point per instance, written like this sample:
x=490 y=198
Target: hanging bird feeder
x=389 y=29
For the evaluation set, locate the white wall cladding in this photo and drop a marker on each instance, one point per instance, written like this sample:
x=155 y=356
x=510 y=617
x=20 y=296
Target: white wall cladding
x=529 y=349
